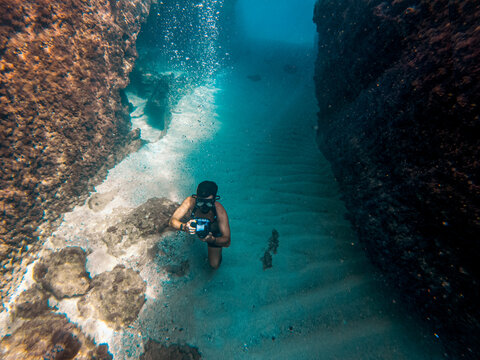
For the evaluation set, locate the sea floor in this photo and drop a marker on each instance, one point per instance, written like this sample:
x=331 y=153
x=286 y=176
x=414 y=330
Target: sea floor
x=252 y=130
x=320 y=299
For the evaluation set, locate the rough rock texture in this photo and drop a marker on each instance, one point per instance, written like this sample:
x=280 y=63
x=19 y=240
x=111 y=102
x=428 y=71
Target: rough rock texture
x=150 y=218
x=63 y=273
x=398 y=87
x=156 y=351
x=31 y=303
x=171 y=255
x=62 y=66
x=116 y=297
x=50 y=336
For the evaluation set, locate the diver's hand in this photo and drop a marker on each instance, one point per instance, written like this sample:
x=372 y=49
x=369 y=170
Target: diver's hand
x=209 y=239
x=190 y=229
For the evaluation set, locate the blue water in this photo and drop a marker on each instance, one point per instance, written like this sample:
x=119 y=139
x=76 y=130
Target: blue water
x=288 y=21
x=320 y=300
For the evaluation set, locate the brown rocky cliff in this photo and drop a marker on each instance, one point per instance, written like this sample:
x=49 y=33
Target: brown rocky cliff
x=62 y=66
x=398 y=86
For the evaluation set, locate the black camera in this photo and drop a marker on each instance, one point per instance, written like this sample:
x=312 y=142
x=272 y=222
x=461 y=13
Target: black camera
x=202 y=227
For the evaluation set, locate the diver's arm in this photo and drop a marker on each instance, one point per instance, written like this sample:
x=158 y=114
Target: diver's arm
x=175 y=221
x=222 y=241
x=224 y=227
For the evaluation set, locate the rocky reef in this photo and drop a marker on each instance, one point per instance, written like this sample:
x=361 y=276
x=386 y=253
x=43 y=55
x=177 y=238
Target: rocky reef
x=398 y=87
x=36 y=331
x=65 y=121
x=63 y=273
x=50 y=336
x=121 y=249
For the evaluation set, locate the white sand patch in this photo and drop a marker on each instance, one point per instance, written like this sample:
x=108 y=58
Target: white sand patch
x=94 y=328
x=100 y=261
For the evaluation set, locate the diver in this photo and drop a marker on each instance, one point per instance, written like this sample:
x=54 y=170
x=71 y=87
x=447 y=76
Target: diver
x=207 y=218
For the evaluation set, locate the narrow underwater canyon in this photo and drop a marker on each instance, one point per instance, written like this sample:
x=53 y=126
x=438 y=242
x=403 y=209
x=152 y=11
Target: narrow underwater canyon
x=397 y=91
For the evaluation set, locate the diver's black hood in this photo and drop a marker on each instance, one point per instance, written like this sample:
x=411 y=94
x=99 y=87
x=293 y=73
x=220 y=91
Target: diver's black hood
x=207 y=188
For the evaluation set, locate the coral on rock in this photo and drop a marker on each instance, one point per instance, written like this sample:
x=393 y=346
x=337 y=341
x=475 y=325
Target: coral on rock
x=398 y=87
x=63 y=65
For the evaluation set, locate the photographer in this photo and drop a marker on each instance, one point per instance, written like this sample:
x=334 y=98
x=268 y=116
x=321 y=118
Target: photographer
x=208 y=220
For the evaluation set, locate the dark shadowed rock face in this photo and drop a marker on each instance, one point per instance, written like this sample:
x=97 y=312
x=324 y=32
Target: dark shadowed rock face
x=157 y=108
x=116 y=297
x=62 y=66
x=398 y=86
x=63 y=273
x=50 y=336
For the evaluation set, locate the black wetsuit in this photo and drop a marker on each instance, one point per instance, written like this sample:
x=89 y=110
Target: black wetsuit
x=211 y=215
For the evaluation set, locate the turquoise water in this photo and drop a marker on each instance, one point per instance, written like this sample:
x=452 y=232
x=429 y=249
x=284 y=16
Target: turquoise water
x=320 y=299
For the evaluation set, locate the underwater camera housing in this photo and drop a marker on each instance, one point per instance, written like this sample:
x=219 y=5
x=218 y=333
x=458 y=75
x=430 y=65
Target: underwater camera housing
x=202 y=227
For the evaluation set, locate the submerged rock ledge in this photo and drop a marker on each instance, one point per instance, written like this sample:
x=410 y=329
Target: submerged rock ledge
x=398 y=87
x=114 y=297
x=64 y=121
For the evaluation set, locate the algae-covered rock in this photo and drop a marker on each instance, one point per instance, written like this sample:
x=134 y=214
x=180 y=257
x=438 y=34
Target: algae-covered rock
x=150 y=218
x=116 y=297
x=50 y=336
x=398 y=89
x=64 y=120
x=31 y=303
x=63 y=273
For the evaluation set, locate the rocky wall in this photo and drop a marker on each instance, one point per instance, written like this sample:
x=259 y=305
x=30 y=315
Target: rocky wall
x=64 y=121
x=398 y=87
